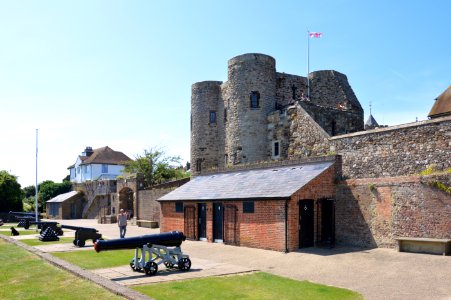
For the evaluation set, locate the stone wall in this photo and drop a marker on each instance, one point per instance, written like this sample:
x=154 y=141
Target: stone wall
x=149 y=208
x=397 y=150
x=372 y=212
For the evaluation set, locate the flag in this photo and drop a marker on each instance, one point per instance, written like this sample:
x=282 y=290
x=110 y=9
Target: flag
x=315 y=34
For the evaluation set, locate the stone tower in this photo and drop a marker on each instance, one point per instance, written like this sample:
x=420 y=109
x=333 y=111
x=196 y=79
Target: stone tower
x=249 y=96
x=231 y=122
x=206 y=125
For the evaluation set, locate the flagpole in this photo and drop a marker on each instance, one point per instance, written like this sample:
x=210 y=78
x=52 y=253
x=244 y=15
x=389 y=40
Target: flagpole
x=36 y=186
x=308 y=64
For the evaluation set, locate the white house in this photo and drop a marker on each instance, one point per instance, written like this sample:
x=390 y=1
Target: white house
x=98 y=164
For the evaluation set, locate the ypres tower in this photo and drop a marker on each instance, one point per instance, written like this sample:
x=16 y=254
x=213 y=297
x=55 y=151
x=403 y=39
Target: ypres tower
x=229 y=120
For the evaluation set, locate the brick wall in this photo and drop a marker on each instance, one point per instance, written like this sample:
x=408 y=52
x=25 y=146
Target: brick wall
x=265 y=228
x=372 y=212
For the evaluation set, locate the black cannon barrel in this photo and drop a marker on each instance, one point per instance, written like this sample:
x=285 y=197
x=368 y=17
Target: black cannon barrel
x=169 y=239
x=43 y=223
x=77 y=227
x=21 y=213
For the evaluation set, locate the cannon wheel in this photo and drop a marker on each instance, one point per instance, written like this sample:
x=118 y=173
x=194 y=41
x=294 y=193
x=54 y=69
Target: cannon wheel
x=133 y=266
x=184 y=264
x=75 y=242
x=169 y=264
x=80 y=243
x=151 y=268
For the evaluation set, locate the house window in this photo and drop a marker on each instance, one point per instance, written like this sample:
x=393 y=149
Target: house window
x=212 y=117
x=255 y=99
x=275 y=149
x=78 y=170
x=104 y=168
x=85 y=169
x=248 y=207
x=178 y=207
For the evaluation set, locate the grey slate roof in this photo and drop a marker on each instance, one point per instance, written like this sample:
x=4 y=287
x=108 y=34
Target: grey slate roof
x=371 y=122
x=63 y=197
x=271 y=183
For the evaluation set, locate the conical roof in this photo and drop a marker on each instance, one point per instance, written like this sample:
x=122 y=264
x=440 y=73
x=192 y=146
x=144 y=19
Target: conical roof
x=371 y=122
x=442 y=105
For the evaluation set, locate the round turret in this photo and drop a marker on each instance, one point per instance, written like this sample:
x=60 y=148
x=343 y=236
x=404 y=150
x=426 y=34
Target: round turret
x=249 y=96
x=206 y=107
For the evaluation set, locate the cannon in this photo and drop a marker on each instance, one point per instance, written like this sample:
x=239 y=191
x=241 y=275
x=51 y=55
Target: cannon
x=82 y=234
x=55 y=226
x=18 y=215
x=151 y=251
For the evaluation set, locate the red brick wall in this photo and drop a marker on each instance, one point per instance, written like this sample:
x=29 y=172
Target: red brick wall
x=265 y=228
x=322 y=186
x=170 y=220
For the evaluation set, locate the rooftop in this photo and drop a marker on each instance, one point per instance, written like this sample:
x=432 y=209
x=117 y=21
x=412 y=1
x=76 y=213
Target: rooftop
x=270 y=183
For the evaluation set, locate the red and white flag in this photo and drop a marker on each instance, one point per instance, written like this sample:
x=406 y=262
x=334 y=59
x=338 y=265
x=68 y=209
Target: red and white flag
x=315 y=34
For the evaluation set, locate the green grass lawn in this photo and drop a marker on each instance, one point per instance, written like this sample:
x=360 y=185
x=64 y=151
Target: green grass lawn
x=37 y=242
x=252 y=286
x=21 y=232
x=25 y=276
x=92 y=260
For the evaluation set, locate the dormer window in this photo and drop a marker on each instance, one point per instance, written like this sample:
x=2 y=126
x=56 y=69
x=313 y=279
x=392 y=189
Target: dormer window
x=255 y=99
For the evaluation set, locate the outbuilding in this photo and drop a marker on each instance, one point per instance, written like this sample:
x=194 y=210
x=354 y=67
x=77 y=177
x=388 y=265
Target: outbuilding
x=280 y=208
x=65 y=206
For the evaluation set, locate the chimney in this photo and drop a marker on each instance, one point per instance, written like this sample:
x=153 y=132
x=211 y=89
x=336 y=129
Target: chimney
x=88 y=151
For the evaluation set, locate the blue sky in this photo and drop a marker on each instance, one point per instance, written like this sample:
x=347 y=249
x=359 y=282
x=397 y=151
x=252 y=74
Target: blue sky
x=119 y=73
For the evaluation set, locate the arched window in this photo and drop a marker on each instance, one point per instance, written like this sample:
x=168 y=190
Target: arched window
x=255 y=99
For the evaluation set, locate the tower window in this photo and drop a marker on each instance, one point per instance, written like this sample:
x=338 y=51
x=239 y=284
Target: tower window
x=334 y=128
x=212 y=117
x=276 y=149
x=225 y=114
x=198 y=164
x=255 y=99
x=293 y=90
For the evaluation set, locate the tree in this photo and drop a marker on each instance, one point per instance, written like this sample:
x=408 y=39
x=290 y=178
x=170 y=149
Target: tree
x=155 y=167
x=29 y=191
x=49 y=189
x=10 y=193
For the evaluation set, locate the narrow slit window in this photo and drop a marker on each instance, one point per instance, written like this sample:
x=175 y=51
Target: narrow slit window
x=255 y=99
x=212 y=117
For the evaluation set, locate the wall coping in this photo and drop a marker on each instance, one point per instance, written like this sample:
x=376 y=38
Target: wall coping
x=393 y=128
x=392 y=179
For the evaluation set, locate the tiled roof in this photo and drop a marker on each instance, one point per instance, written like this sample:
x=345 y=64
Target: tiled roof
x=271 y=183
x=442 y=105
x=105 y=155
x=63 y=197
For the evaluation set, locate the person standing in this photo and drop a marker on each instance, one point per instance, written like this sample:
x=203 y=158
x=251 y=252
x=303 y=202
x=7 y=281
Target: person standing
x=122 y=222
